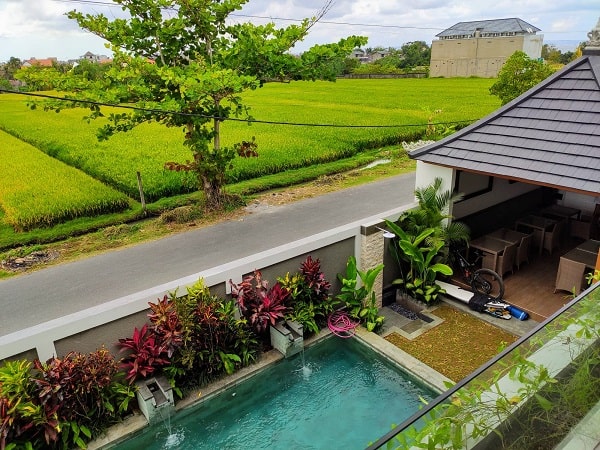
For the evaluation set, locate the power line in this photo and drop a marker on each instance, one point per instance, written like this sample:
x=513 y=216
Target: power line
x=97 y=2
x=340 y=23
x=234 y=119
x=370 y=25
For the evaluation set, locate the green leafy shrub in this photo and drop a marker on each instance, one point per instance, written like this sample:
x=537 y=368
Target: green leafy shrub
x=309 y=301
x=22 y=418
x=361 y=302
x=193 y=339
x=419 y=280
x=422 y=239
x=62 y=403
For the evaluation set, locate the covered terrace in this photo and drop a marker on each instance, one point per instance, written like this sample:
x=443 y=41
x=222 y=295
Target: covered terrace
x=532 y=164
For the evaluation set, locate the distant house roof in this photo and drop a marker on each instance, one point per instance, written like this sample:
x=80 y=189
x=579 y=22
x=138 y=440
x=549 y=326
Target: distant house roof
x=493 y=27
x=46 y=62
x=549 y=136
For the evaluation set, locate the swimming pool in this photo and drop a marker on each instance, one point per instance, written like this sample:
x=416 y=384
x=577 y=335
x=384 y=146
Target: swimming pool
x=344 y=396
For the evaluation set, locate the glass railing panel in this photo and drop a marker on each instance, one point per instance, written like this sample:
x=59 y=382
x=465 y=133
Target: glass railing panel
x=542 y=390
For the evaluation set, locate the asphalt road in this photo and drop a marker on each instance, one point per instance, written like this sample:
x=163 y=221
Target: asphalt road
x=63 y=289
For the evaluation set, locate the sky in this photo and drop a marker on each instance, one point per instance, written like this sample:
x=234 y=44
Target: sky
x=39 y=28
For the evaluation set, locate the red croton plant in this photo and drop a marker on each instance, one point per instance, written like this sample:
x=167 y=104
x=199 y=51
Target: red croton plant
x=60 y=403
x=147 y=352
x=260 y=305
x=315 y=278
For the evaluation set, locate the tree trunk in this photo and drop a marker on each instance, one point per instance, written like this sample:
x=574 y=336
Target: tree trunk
x=213 y=193
x=212 y=187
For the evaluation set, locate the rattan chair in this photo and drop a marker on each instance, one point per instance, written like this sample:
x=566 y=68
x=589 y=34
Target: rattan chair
x=523 y=250
x=506 y=260
x=552 y=238
x=581 y=229
x=570 y=276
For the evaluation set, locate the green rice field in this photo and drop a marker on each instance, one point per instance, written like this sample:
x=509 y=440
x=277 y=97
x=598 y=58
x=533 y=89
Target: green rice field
x=314 y=122
x=37 y=190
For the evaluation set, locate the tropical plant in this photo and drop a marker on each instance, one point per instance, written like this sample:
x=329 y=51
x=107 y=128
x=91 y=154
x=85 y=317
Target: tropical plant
x=62 y=403
x=21 y=416
x=419 y=280
x=519 y=74
x=199 y=336
x=259 y=304
x=146 y=353
x=432 y=212
x=85 y=392
x=423 y=236
x=309 y=301
x=166 y=324
x=315 y=278
x=358 y=296
x=218 y=342
x=187 y=70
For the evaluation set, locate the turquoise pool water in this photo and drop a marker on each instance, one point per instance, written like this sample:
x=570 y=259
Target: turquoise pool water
x=343 y=397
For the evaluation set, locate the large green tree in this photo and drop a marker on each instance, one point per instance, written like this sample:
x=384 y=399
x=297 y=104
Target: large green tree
x=519 y=74
x=414 y=54
x=182 y=63
x=8 y=69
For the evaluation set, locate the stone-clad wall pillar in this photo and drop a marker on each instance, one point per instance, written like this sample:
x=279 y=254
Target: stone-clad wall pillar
x=372 y=249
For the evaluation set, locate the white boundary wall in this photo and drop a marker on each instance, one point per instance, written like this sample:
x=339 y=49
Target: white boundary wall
x=42 y=337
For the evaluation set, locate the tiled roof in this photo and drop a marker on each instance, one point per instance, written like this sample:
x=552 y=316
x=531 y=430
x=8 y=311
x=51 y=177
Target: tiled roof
x=512 y=25
x=46 y=62
x=550 y=135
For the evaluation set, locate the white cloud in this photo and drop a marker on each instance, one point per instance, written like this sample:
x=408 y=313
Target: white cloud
x=40 y=28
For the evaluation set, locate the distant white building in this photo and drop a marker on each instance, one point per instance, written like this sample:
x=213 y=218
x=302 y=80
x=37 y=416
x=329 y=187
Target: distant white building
x=480 y=48
x=89 y=56
x=367 y=57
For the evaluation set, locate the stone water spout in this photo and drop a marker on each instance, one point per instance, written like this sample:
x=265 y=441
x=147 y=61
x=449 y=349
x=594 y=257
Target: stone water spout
x=287 y=337
x=155 y=395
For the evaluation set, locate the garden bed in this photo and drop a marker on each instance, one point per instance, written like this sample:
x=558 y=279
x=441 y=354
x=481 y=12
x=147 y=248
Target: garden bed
x=456 y=347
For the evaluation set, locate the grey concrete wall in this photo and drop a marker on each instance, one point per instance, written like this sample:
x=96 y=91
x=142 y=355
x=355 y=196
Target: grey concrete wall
x=480 y=57
x=29 y=355
x=333 y=260
x=102 y=325
x=106 y=335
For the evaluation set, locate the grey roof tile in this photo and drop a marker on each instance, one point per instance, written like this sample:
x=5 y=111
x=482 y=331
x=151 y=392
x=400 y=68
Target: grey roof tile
x=550 y=135
x=511 y=25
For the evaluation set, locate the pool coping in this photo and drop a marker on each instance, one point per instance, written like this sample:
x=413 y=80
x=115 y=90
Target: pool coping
x=135 y=423
x=418 y=369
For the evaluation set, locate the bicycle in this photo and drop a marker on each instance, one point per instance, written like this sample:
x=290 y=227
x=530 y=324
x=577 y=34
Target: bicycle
x=482 y=281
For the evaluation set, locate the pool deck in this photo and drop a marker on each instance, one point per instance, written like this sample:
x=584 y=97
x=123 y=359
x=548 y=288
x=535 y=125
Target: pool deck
x=418 y=369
